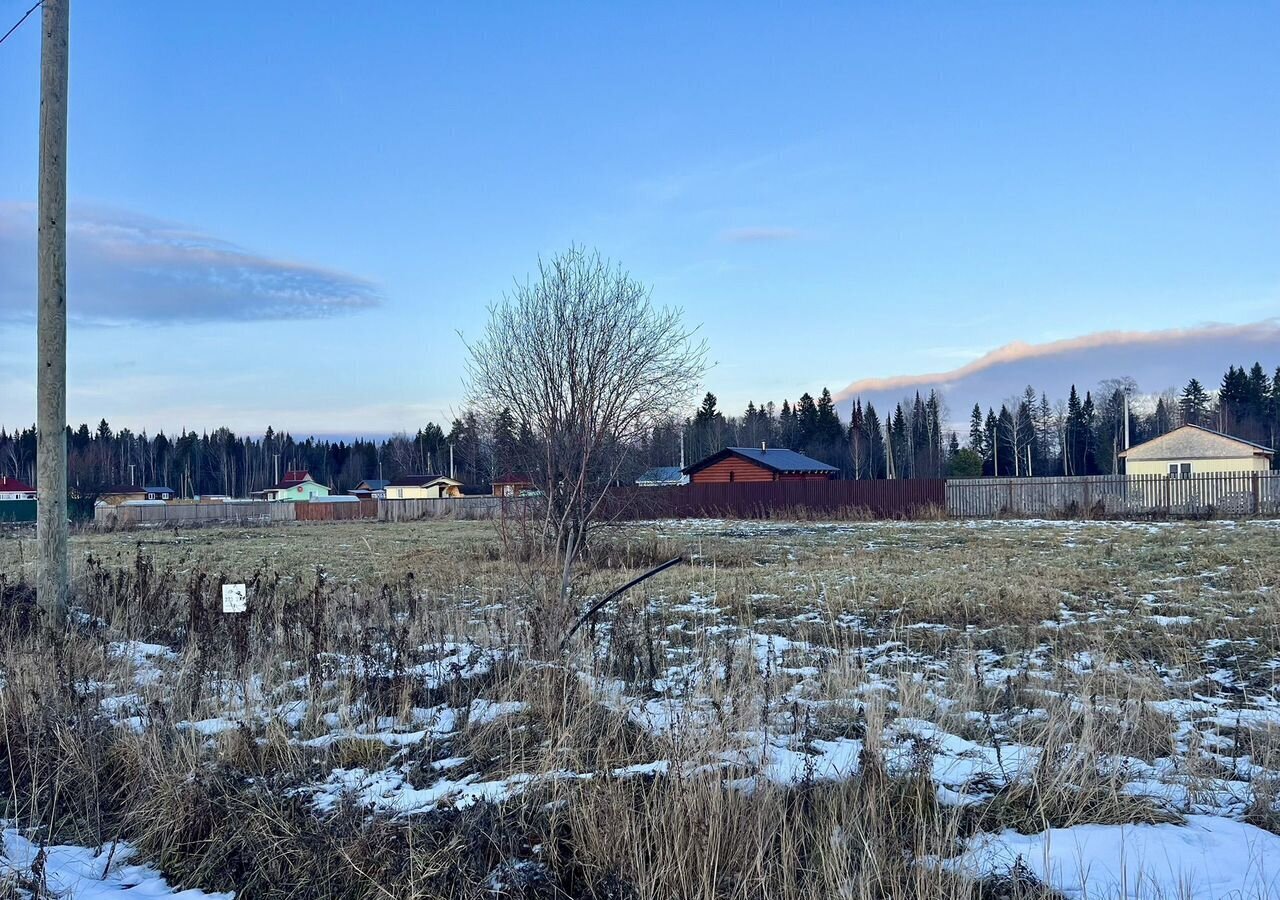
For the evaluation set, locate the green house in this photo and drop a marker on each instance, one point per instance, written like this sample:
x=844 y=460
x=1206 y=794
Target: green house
x=295 y=486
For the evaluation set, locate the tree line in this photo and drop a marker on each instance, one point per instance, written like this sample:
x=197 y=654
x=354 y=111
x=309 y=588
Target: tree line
x=1028 y=435
x=1082 y=434
x=223 y=462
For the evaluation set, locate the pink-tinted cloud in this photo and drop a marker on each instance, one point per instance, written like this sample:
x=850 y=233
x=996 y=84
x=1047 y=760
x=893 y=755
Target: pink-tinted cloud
x=1172 y=340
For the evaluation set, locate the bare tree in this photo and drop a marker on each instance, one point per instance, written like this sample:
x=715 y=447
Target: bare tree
x=583 y=357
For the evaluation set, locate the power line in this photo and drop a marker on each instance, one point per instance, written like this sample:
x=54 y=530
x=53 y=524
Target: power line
x=20 y=21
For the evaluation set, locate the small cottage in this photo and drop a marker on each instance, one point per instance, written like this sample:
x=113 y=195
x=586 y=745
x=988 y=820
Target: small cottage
x=371 y=489
x=511 y=485
x=423 y=487
x=116 y=494
x=13 y=489
x=752 y=465
x=1193 y=450
x=296 y=485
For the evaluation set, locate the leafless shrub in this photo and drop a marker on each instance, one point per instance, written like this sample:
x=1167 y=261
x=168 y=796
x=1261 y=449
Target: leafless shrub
x=589 y=364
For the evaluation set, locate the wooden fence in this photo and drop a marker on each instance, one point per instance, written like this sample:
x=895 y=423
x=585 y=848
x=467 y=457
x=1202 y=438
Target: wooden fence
x=782 y=499
x=335 y=512
x=257 y=512
x=17 y=511
x=262 y=512
x=444 y=508
x=1206 y=495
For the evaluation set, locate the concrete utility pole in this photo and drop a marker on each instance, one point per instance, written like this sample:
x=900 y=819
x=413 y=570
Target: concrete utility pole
x=51 y=322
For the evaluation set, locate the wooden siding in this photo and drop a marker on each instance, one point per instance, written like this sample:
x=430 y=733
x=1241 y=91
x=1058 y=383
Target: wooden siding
x=732 y=469
x=736 y=470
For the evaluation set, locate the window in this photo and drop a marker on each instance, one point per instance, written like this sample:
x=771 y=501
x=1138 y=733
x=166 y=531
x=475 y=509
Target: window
x=731 y=473
x=1173 y=470
x=1186 y=470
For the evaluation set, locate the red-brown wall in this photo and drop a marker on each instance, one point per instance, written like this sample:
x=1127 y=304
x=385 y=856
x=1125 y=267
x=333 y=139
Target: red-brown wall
x=745 y=472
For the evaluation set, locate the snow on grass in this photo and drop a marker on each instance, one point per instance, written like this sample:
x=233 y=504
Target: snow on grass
x=1208 y=858
x=79 y=873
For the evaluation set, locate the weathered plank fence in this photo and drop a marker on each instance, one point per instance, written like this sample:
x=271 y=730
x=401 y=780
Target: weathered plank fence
x=256 y=512
x=262 y=512
x=443 y=508
x=1205 y=495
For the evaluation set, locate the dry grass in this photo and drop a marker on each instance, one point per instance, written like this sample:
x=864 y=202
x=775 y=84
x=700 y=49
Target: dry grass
x=683 y=748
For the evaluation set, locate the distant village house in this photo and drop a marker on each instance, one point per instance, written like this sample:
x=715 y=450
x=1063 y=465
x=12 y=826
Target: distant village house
x=423 y=487
x=1193 y=450
x=13 y=489
x=295 y=486
x=511 y=485
x=116 y=494
x=370 y=489
x=758 y=465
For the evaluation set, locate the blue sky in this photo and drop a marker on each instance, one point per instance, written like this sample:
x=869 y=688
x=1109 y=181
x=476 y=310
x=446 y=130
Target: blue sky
x=284 y=213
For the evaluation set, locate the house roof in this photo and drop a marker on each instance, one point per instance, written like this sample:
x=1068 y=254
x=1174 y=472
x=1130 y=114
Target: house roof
x=776 y=459
x=123 y=489
x=8 y=484
x=159 y=490
x=293 y=478
x=1195 y=442
x=372 y=484
x=662 y=475
x=420 y=480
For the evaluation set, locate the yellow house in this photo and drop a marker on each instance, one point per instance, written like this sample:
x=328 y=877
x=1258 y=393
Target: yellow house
x=423 y=487
x=1192 y=450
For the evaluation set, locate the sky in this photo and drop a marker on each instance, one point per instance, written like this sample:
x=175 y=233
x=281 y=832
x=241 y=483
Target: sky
x=295 y=214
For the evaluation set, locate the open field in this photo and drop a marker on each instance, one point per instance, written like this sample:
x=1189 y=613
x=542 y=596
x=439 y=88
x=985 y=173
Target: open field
x=950 y=709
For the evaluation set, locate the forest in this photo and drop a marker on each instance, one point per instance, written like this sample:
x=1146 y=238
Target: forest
x=1030 y=434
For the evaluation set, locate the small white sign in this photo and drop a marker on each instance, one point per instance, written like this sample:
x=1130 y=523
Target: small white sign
x=234 y=598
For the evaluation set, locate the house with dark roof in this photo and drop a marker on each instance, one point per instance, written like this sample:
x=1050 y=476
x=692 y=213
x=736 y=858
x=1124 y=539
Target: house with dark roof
x=757 y=465
x=13 y=489
x=115 y=494
x=663 y=476
x=371 y=489
x=297 y=484
x=1194 y=450
x=511 y=484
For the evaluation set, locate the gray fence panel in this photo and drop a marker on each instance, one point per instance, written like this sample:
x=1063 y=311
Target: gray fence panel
x=1209 y=494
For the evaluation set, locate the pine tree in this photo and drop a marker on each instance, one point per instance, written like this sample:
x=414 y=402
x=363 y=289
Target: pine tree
x=876 y=454
x=991 y=439
x=806 y=422
x=1074 y=438
x=977 y=432
x=857 y=440
x=828 y=427
x=1194 y=404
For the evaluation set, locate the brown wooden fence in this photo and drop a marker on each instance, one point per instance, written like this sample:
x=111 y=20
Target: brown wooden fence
x=335 y=512
x=782 y=499
x=1209 y=494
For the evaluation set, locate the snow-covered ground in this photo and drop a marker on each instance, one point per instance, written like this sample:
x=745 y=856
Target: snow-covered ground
x=81 y=873
x=1139 y=661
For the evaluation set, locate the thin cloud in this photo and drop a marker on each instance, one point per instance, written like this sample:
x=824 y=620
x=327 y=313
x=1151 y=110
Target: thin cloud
x=1019 y=351
x=124 y=269
x=755 y=235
